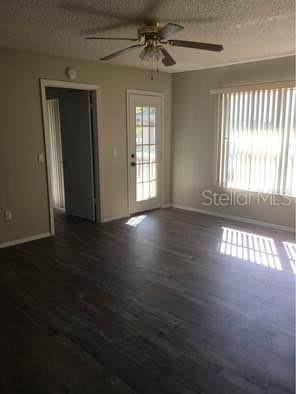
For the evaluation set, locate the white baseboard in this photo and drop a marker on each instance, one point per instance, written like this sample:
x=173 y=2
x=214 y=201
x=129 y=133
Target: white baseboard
x=23 y=240
x=236 y=218
x=185 y=208
x=169 y=205
x=126 y=216
x=110 y=219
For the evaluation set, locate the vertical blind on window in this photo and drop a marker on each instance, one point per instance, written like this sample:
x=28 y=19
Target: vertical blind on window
x=56 y=155
x=258 y=140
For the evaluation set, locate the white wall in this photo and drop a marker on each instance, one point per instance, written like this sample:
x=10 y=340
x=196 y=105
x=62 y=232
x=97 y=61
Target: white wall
x=23 y=185
x=195 y=135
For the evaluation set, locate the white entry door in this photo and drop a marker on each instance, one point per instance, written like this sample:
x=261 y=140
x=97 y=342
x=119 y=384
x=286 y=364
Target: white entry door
x=144 y=153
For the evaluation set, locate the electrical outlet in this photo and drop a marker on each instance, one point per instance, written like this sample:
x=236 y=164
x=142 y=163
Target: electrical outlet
x=8 y=215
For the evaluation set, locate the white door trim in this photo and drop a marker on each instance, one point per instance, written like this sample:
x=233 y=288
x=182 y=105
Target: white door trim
x=96 y=90
x=162 y=96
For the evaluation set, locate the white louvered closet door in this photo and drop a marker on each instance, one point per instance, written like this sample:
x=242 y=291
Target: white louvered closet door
x=258 y=140
x=56 y=154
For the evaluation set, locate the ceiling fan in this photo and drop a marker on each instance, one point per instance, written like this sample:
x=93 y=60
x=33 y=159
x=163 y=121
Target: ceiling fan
x=153 y=39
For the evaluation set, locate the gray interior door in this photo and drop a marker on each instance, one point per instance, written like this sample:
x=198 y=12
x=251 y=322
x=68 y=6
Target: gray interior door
x=77 y=143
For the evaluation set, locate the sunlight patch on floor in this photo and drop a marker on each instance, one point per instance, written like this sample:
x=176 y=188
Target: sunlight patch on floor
x=291 y=252
x=250 y=247
x=136 y=220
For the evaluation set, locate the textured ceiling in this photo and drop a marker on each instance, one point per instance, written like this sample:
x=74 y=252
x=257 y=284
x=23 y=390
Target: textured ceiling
x=248 y=29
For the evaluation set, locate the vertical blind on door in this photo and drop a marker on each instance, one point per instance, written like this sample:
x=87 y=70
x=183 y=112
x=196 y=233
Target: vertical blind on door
x=56 y=155
x=258 y=140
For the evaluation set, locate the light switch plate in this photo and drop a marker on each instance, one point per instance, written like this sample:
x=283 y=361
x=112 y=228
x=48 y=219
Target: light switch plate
x=8 y=215
x=41 y=158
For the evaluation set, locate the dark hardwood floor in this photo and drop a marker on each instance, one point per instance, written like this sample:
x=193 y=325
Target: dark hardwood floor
x=156 y=305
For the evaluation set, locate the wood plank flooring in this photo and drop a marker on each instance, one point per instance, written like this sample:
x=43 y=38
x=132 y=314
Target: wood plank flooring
x=170 y=302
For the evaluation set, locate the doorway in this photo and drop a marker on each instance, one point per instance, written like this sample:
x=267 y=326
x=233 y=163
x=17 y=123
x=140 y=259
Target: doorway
x=72 y=151
x=145 y=129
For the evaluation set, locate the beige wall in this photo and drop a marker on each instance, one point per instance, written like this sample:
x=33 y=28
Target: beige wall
x=23 y=186
x=195 y=135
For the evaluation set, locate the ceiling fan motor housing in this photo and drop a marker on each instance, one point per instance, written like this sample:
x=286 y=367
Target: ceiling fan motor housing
x=149 y=32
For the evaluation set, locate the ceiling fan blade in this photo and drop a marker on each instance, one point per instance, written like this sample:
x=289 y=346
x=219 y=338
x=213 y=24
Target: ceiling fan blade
x=117 y=19
x=170 y=28
x=112 y=38
x=196 y=45
x=95 y=11
x=167 y=60
x=121 y=51
x=104 y=28
x=197 y=20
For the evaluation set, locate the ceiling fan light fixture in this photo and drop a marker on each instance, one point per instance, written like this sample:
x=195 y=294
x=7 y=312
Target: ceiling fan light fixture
x=151 y=53
x=153 y=40
x=142 y=54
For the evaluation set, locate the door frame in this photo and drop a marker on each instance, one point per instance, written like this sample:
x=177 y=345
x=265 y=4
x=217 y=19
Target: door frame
x=129 y=93
x=97 y=148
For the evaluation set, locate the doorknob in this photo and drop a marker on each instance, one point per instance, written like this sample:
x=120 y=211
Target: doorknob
x=133 y=163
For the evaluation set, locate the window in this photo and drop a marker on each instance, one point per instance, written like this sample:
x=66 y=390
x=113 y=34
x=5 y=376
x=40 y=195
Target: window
x=258 y=140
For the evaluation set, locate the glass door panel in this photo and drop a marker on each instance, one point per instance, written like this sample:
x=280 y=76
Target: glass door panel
x=146 y=157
